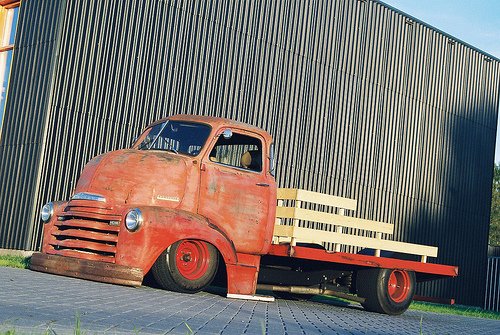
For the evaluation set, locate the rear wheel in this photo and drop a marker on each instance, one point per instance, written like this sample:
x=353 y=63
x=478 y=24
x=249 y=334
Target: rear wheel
x=386 y=290
x=187 y=266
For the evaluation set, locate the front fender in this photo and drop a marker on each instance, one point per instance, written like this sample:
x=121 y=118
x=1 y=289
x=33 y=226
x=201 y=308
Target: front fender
x=160 y=228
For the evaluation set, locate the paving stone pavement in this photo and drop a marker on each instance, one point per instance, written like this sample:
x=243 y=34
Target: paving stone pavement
x=32 y=302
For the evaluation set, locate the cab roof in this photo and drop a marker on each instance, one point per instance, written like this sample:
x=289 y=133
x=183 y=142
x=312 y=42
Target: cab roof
x=215 y=123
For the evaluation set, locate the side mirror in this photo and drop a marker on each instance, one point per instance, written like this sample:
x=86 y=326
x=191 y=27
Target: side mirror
x=272 y=161
x=227 y=134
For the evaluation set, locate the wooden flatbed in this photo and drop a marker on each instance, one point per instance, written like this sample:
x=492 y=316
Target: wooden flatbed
x=331 y=226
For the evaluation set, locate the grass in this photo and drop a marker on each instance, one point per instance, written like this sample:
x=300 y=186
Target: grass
x=21 y=262
x=454 y=310
x=11 y=261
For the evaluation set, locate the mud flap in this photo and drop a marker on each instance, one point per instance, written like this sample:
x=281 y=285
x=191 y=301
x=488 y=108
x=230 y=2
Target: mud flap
x=242 y=276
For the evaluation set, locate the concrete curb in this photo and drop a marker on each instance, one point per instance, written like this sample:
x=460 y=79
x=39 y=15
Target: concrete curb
x=11 y=252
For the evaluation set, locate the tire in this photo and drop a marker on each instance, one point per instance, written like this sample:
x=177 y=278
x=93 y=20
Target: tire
x=187 y=266
x=386 y=291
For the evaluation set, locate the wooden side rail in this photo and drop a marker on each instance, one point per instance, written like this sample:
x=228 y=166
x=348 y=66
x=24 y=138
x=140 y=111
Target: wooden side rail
x=337 y=236
x=317 y=198
x=334 y=219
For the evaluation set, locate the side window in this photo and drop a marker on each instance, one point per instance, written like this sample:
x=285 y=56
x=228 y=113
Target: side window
x=240 y=151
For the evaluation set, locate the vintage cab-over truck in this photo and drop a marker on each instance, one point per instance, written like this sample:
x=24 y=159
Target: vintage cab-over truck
x=197 y=195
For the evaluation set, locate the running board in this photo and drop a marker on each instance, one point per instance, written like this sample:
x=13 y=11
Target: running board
x=256 y=297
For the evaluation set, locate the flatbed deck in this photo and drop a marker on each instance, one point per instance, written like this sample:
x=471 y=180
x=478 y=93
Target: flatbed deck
x=424 y=271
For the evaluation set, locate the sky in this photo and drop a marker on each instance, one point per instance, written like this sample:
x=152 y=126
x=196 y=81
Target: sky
x=475 y=22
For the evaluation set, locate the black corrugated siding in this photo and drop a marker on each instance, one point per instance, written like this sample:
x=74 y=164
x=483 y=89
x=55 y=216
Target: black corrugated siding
x=26 y=110
x=362 y=101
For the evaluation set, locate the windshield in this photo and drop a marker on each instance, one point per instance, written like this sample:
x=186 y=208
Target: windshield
x=176 y=136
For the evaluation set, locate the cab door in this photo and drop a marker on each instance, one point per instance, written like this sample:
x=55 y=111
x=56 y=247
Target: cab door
x=235 y=189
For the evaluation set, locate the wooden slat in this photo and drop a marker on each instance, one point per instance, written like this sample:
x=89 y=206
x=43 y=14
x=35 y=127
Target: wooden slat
x=318 y=198
x=283 y=231
x=285 y=212
x=339 y=229
x=285 y=234
x=287 y=193
x=311 y=235
x=335 y=219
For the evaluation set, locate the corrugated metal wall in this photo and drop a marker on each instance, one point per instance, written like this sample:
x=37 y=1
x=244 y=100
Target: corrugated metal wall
x=492 y=297
x=362 y=100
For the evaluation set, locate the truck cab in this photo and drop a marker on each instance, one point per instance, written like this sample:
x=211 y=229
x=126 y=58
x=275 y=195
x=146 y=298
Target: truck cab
x=190 y=191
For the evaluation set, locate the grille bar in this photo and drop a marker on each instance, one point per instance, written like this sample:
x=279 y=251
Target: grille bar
x=87 y=235
x=97 y=213
x=80 y=223
x=84 y=246
x=82 y=255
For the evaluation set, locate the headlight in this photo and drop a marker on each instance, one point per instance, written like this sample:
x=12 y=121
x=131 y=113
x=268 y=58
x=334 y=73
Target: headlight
x=47 y=212
x=133 y=220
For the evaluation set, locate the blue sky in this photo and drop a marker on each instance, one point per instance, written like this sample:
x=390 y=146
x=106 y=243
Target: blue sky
x=474 y=22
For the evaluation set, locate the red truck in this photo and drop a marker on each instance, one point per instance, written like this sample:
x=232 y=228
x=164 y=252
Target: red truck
x=196 y=196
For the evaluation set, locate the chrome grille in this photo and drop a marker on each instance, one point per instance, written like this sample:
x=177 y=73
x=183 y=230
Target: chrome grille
x=88 y=232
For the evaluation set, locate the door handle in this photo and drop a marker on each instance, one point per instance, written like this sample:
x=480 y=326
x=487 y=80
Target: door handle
x=262 y=184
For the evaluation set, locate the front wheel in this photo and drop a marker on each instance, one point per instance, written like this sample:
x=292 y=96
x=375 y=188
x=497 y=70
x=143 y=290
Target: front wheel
x=187 y=266
x=386 y=291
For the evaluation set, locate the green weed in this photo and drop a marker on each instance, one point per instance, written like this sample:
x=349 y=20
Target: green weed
x=189 y=329
x=12 y=330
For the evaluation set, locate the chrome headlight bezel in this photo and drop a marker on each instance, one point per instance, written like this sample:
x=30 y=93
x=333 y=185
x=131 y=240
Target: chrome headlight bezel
x=47 y=212
x=133 y=219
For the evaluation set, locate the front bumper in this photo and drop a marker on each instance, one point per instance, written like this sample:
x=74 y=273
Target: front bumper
x=87 y=269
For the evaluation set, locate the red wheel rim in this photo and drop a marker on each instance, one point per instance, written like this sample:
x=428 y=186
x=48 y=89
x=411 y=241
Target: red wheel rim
x=192 y=259
x=399 y=285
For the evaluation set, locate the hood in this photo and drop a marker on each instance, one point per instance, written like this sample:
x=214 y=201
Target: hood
x=136 y=177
